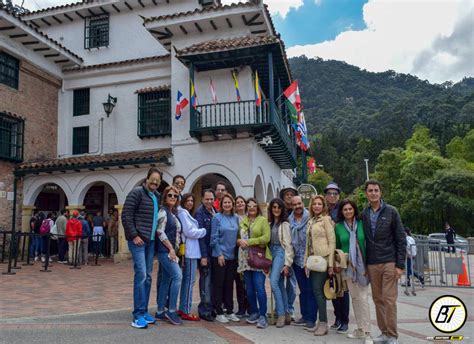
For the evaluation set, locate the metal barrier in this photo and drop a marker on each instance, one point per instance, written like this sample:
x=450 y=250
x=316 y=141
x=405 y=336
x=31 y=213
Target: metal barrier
x=438 y=265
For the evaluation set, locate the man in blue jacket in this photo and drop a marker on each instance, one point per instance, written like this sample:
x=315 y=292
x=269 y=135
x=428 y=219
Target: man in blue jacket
x=385 y=257
x=204 y=215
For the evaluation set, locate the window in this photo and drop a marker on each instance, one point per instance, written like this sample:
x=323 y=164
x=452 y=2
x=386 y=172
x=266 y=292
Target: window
x=154 y=114
x=81 y=102
x=11 y=137
x=96 y=31
x=205 y=3
x=9 y=70
x=80 y=140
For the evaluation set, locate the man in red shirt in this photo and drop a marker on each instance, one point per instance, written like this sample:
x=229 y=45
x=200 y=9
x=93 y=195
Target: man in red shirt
x=73 y=236
x=220 y=190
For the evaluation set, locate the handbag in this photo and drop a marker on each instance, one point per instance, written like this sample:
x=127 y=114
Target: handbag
x=331 y=288
x=317 y=263
x=257 y=258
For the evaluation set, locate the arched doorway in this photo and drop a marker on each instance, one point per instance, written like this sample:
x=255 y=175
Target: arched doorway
x=51 y=199
x=259 y=192
x=270 y=194
x=208 y=181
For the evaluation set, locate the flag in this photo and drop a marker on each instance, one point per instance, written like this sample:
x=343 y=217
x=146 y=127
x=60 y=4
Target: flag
x=236 y=84
x=311 y=165
x=213 y=91
x=258 y=92
x=302 y=133
x=193 y=94
x=181 y=103
x=292 y=111
x=292 y=93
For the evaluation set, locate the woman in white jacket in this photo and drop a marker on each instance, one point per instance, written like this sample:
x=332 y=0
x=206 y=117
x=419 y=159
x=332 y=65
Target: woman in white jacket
x=191 y=233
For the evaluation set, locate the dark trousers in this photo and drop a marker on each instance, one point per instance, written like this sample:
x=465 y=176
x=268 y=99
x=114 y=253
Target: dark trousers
x=223 y=285
x=241 y=293
x=62 y=249
x=308 y=305
x=341 y=308
x=205 y=276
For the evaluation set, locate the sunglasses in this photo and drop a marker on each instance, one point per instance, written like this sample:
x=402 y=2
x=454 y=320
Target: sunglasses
x=172 y=195
x=332 y=193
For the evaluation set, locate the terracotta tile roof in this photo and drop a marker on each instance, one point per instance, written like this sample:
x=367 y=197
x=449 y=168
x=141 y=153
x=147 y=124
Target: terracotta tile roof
x=118 y=63
x=228 y=44
x=52 y=8
x=56 y=43
x=90 y=161
x=10 y=114
x=153 y=89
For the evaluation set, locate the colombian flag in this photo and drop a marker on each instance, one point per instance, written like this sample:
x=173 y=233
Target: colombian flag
x=236 y=84
x=193 y=94
x=258 y=92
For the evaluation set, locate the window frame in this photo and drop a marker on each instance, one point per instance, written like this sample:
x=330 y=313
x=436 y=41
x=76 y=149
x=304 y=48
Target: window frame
x=154 y=108
x=81 y=102
x=76 y=146
x=16 y=139
x=9 y=63
x=97 y=39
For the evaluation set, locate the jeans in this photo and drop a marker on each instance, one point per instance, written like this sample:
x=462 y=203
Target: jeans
x=291 y=291
x=341 y=308
x=205 y=305
x=277 y=280
x=409 y=272
x=255 y=284
x=187 y=285
x=84 y=252
x=169 y=284
x=143 y=267
x=308 y=305
x=35 y=248
x=317 y=280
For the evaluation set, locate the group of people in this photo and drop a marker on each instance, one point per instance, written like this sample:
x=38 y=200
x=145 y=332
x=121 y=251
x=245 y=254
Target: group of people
x=70 y=231
x=230 y=242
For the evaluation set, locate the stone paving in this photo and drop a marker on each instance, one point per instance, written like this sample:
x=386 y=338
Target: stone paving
x=92 y=305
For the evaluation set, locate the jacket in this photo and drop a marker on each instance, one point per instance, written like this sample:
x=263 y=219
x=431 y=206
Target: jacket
x=343 y=237
x=284 y=233
x=260 y=235
x=191 y=233
x=204 y=219
x=137 y=214
x=86 y=228
x=389 y=242
x=224 y=233
x=320 y=239
x=73 y=229
x=61 y=222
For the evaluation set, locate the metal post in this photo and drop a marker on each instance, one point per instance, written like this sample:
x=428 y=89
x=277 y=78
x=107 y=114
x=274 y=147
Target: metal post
x=96 y=249
x=10 y=256
x=4 y=243
x=17 y=249
x=28 y=255
x=304 y=167
x=76 y=253
x=367 y=168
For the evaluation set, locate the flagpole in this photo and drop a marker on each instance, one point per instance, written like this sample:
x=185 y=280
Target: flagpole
x=304 y=167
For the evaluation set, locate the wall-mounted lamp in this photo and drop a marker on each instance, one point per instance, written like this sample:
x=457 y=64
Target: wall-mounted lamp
x=109 y=106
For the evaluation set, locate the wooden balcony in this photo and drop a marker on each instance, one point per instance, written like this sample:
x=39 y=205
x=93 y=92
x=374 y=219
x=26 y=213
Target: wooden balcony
x=237 y=117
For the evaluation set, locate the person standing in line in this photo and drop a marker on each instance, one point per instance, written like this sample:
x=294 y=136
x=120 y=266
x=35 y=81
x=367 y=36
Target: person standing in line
x=350 y=238
x=411 y=257
x=341 y=303
x=170 y=236
x=73 y=235
x=98 y=233
x=320 y=241
x=140 y=221
x=225 y=226
x=450 y=236
x=254 y=231
x=86 y=233
x=204 y=215
x=191 y=235
x=62 y=242
x=35 y=246
x=298 y=223
x=44 y=230
x=282 y=258
x=112 y=228
x=241 y=212
x=220 y=191
x=386 y=252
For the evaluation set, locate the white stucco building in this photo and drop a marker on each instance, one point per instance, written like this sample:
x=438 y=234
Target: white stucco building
x=142 y=52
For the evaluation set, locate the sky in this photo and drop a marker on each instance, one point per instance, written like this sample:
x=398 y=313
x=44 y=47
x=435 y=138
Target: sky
x=432 y=39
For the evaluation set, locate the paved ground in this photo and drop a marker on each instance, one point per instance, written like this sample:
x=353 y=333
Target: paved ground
x=92 y=305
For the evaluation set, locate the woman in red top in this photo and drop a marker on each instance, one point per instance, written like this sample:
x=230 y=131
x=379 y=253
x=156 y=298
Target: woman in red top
x=73 y=236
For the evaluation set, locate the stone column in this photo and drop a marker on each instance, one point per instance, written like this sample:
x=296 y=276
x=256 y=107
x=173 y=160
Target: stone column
x=26 y=214
x=264 y=207
x=123 y=252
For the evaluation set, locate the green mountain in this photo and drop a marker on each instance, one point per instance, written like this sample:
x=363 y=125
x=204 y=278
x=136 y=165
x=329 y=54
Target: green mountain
x=353 y=114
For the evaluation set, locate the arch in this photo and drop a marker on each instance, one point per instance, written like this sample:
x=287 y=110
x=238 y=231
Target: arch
x=85 y=183
x=138 y=177
x=258 y=189
x=193 y=177
x=34 y=187
x=270 y=194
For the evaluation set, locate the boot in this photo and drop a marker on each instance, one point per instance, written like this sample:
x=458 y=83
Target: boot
x=280 y=321
x=321 y=329
x=287 y=319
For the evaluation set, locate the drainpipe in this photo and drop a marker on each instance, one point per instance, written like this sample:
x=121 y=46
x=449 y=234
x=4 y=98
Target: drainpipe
x=100 y=142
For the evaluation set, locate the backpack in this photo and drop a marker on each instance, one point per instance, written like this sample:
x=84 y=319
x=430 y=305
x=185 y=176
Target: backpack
x=45 y=227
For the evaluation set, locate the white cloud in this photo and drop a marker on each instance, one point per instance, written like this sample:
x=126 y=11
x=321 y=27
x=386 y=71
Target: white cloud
x=407 y=36
x=279 y=7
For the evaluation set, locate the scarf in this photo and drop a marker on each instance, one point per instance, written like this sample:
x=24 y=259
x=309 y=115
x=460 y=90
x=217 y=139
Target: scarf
x=298 y=236
x=355 y=266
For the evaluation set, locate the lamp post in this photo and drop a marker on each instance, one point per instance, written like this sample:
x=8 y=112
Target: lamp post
x=109 y=105
x=367 y=168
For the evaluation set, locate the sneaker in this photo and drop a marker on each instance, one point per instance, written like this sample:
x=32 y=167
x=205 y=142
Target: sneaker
x=310 y=326
x=173 y=318
x=343 y=329
x=206 y=317
x=299 y=322
x=50 y=259
x=336 y=325
x=149 y=319
x=161 y=316
x=139 y=323
x=392 y=340
x=356 y=334
x=241 y=313
x=36 y=258
x=368 y=339
x=222 y=318
x=253 y=318
x=43 y=259
x=232 y=317
x=262 y=322
x=380 y=339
